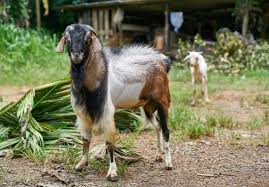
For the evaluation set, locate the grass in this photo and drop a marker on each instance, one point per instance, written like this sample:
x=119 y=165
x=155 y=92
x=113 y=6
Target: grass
x=262 y=98
x=128 y=141
x=28 y=57
x=185 y=124
x=71 y=156
x=248 y=80
x=184 y=121
x=255 y=123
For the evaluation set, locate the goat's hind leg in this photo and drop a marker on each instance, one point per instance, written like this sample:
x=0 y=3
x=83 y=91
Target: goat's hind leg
x=85 y=129
x=149 y=110
x=204 y=90
x=194 y=91
x=163 y=114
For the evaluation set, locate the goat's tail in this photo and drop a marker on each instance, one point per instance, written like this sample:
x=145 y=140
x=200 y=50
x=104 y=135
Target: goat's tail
x=168 y=64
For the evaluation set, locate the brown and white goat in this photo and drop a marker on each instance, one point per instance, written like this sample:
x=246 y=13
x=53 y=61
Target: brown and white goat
x=198 y=73
x=104 y=79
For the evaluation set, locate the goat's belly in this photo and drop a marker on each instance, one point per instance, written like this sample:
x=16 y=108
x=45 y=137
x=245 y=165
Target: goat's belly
x=127 y=96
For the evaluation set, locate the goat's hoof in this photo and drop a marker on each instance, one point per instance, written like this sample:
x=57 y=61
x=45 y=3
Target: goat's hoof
x=193 y=104
x=112 y=177
x=80 y=166
x=168 y=166
x=158 y=158
x=207 y=101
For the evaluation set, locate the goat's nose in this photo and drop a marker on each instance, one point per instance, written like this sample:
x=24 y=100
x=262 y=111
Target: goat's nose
x=76 y=55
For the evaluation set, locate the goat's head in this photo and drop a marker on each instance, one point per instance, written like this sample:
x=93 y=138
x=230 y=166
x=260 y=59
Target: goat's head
x=81 y=41
x=193 y=57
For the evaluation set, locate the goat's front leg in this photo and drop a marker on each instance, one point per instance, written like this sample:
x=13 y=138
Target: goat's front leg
x=110 y=132
x=204 y=89
x=86 y=133
x=193 y=81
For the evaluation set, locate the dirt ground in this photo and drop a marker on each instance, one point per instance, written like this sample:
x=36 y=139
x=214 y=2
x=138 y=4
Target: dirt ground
x=222 y=160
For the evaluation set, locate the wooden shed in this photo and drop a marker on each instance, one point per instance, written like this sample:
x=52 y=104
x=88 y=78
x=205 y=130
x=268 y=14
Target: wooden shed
x=129 y=21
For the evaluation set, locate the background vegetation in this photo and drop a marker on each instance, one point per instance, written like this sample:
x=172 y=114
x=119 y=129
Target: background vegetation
x=28 y=57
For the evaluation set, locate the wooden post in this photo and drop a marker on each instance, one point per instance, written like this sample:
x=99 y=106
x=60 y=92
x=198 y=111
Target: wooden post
x=94 y=20
x=166 y=29
x=107 y=23
x=245 y=22
x=101 y=22
x=38 y=17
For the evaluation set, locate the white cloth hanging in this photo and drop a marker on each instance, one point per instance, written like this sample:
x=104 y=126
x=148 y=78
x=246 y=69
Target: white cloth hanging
x=176 y=19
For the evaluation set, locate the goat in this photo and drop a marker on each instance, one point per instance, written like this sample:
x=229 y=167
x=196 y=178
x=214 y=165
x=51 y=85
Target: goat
x=105 y=79
x=198 y=73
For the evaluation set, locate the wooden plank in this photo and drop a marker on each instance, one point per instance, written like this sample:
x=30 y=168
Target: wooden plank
x=95 y=20
x=113 y=12
x=111 y=3
x=38 y=16
x=106 y=23
x=101 y=21
x=131 y=27
x=166 y=28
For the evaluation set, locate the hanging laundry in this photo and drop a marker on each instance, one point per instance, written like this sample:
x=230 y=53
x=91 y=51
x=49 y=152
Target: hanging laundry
x=176 y=19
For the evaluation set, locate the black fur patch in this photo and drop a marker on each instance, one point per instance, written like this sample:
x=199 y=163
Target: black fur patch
x=93 y=101
x=168 y=64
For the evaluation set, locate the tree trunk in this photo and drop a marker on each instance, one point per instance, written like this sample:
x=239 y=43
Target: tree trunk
x=245 y=22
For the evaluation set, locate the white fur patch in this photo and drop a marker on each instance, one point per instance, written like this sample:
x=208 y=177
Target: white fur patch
x=112 y=171
x=134 y=63
x=167 y=155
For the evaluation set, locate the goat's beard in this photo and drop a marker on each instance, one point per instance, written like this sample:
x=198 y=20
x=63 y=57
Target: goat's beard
x=76 y=60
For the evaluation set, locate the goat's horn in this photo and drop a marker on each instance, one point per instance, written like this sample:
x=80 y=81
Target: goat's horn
x=187 y=57
x=89 y=28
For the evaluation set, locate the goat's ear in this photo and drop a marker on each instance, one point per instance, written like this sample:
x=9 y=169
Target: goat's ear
x=96 y=46
x=60 y=45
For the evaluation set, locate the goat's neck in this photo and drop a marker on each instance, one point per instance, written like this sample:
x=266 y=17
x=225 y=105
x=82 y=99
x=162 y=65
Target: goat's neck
x=95 y=70
x=91 y=72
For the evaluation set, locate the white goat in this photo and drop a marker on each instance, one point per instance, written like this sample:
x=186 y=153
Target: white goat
x=198 y=73
x=104 y=79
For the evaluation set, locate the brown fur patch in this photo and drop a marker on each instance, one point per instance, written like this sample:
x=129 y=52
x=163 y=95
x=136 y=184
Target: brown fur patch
x=156 y=89
x=197 y=73
x=95 y=69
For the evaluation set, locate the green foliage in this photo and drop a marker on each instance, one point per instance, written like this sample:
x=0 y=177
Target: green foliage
x=123 y=122
x=258 y=57
x=14 y=12
x=30 y=55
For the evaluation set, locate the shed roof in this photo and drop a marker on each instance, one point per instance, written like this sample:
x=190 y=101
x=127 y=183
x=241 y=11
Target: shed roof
x=154 y=5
